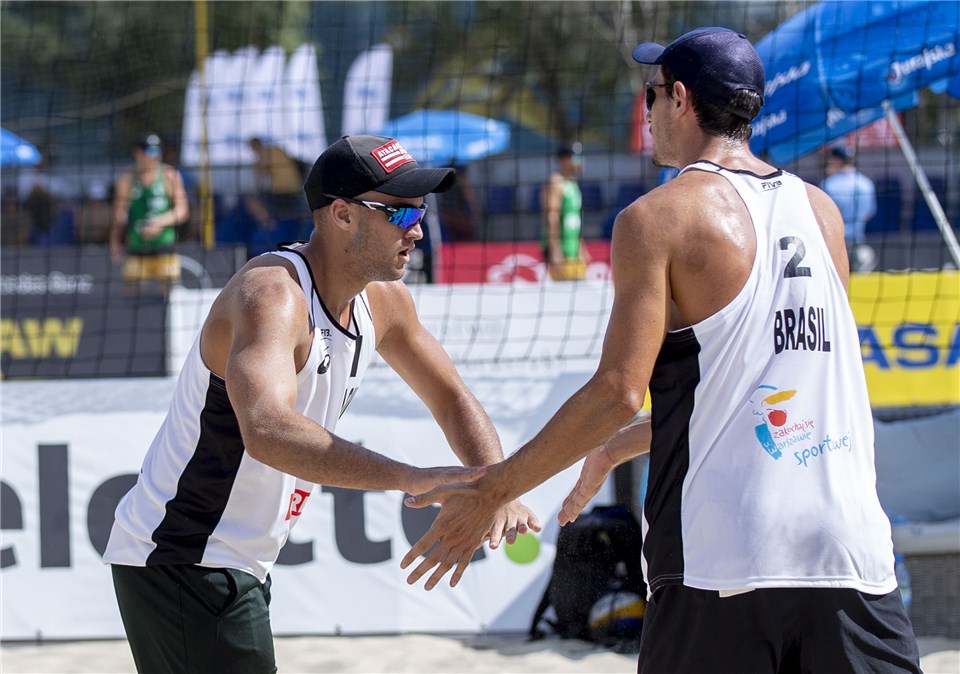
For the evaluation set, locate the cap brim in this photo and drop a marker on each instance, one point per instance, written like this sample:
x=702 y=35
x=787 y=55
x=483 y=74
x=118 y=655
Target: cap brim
x=648 y=53
x=419 y=181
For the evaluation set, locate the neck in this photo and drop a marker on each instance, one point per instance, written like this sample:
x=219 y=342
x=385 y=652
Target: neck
x=732 y=154
x=335 y=283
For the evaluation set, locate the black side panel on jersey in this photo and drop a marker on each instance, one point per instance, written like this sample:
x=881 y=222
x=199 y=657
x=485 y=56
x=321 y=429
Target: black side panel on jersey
x=672 y=388
x=205 y=485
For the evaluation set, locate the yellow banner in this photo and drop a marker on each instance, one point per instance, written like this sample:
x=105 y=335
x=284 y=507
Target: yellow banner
x=909 y=335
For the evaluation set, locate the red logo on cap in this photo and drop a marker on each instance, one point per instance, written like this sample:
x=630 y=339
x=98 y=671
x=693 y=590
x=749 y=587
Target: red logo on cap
x=392 y=156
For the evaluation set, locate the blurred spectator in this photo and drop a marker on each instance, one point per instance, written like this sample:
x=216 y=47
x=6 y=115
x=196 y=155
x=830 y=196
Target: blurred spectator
x=563 y=249
x=14 y=225
x=279 y=207
x=458 y=208
x=149 y=204
x=42 y=196
x=94 y=215
x=855 y=196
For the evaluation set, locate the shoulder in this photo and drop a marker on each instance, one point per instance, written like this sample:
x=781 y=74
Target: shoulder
x=821 y=202
x=828 y=216
x=267 y=284
x=675 y=205
x=389 y=297
x=392 y=306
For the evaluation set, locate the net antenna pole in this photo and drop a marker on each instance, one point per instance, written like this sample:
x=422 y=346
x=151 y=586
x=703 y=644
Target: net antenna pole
x=202 y=48
x=921 y=177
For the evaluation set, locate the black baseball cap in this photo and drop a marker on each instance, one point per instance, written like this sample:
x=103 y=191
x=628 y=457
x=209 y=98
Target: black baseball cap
x=357 y=164
x=714 y=62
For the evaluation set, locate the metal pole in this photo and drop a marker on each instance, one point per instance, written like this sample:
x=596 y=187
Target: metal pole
x=935 y=208
x=206 y=193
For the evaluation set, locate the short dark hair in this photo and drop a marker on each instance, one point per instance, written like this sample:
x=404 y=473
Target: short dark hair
x=717 y=120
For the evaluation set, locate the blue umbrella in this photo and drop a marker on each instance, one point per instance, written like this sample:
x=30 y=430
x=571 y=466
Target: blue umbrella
x=839 y=64
x=842 y=64
x=15 y=151
x=443 y=137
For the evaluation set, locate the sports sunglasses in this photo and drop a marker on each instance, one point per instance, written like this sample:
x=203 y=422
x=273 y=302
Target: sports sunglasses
x=403 y=217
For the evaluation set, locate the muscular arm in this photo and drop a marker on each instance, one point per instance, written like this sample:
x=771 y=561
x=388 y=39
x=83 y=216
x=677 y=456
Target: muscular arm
x=603 y=406
x=614 y=394
x=631 y=441
x=267 y=313
x=420 y=360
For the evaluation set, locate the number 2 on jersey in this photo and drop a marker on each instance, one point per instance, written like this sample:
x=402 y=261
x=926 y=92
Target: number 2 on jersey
x=793 y=268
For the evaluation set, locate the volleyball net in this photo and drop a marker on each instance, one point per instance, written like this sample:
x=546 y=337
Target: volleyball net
x=492 y=88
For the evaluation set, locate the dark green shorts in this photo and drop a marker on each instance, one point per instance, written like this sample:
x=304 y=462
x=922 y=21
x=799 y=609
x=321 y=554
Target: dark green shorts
x=191 y=619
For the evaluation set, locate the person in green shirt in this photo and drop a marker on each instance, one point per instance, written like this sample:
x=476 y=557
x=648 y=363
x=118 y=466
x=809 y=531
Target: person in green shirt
x=150 y=202
x=563 y=249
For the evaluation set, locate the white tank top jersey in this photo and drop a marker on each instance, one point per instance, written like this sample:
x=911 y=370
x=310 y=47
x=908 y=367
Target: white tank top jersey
x=762 y=463
x=200 y=497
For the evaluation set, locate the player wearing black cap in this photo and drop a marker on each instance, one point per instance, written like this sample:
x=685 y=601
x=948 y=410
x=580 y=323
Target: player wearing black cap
x=251 y=427
x=765 y=547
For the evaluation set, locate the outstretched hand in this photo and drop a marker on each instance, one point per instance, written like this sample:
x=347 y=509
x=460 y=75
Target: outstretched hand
x=466 y=517
x=595 y=469
x=510 y=521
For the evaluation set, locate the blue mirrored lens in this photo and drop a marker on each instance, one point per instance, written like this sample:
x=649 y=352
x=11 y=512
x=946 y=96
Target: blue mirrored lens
x=406 y=217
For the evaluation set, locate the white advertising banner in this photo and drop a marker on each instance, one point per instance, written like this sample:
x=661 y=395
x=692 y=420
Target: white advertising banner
x=71 y=449
x=366 y=91
x=253 y=94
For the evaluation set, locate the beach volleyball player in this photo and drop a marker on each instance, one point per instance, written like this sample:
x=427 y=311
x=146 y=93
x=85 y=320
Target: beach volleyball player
x=251 y=426
x=763 y=551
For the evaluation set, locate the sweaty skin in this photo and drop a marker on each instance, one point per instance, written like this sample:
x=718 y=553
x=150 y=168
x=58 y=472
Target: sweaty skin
x=679 y=254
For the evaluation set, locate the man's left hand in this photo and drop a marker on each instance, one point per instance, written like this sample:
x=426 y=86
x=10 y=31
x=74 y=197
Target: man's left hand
x=510 y=521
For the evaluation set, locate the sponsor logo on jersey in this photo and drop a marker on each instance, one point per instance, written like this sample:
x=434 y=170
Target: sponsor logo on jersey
x=772 y=431
x=777 y=430
x=297 y=500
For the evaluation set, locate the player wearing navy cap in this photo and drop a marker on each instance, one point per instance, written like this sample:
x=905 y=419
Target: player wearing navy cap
x=765 y=546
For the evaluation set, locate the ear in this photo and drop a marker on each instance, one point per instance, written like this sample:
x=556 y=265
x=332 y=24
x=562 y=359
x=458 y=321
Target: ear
x=340 y=214
x=682 y=97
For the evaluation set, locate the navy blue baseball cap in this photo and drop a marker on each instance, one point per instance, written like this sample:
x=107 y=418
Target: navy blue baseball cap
x=714 y=62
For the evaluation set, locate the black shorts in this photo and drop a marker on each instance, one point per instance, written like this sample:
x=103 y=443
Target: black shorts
x=776 y=631
x=191 y=619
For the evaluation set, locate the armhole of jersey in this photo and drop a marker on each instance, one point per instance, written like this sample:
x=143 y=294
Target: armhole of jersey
x=704 y=324
x=304 y=277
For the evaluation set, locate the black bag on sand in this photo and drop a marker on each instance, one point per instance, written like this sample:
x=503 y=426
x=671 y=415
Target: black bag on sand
x=596 y=588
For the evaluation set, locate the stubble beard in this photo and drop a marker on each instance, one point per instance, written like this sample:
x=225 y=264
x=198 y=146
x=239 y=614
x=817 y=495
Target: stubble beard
x=369 y=258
